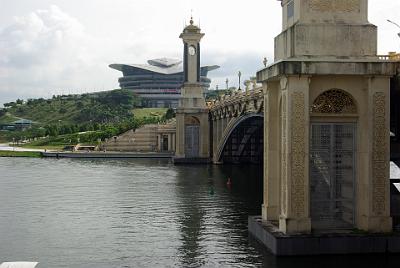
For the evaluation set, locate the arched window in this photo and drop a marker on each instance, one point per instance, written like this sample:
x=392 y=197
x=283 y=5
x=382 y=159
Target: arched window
x=191 y=120
x=334 y=101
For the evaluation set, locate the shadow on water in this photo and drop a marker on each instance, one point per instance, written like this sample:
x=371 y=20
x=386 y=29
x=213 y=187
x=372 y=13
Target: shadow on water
x=213 y=214
x=139 y=213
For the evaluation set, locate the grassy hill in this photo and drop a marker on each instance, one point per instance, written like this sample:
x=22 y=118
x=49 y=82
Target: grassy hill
x=70 y=119
x=102 y=107
x=149 y=112
x=8 y=118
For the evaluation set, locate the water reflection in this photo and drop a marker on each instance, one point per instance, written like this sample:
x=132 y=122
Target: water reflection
x=212 y=223
x=137 y=213
x=191 y=223
x=123 y=213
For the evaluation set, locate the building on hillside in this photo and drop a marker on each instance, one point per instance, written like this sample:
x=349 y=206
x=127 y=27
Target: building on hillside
x=159 y=82
x=22 y=124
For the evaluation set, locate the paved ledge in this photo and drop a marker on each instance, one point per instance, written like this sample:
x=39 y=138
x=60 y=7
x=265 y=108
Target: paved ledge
x=321 y=244
x=106 y=155
x=192 y=161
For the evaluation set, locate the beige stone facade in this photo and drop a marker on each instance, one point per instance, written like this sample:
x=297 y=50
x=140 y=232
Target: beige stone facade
x=327 y=75
x=149 y=138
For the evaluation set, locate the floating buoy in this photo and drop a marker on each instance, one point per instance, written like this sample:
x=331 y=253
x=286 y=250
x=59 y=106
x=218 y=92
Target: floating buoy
x=211 y=191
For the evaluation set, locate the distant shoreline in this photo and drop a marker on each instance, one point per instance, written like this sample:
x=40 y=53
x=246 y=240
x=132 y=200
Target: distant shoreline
x=9 y=151
x=20 y=154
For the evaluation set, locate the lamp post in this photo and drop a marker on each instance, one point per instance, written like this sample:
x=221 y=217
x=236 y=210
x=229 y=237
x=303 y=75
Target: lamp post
x=265 y=61
x=394 y=23
x=239 y=75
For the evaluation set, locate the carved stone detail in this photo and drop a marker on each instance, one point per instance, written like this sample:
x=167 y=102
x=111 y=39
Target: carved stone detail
x=284 y=184
x=334 y=5
x=298 y=136
x=334 y=101
x=379 y=154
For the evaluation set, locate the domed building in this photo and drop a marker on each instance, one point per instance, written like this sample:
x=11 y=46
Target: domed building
x=159 y=82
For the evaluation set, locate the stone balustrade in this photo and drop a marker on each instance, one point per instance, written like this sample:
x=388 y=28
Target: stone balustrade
x=238 y=103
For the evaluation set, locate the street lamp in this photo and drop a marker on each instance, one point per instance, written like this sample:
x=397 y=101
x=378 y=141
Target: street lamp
x=239 y=75
x=394 y=23
x=265 y=61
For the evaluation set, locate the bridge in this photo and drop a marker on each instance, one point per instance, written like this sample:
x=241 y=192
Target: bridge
x=237 y=125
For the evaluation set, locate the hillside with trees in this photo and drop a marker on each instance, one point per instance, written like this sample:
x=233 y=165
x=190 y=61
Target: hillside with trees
x=70 y=119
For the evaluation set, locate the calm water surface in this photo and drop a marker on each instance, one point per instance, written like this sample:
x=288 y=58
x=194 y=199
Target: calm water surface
x=137 y=213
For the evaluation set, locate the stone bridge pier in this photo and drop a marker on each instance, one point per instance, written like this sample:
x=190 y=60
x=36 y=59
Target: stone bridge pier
x=236 y=122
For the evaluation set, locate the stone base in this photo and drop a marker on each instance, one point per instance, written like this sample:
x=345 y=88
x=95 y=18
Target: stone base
x=197 y=160
x=321 y=244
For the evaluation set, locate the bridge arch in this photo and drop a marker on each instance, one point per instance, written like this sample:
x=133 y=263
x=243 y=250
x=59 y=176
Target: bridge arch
x=242 y=140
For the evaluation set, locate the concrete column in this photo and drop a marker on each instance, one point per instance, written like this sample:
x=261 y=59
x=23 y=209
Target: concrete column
x=180 y=135
x=270 y=207
x=159 y=142
x=374 y=168
x=219 y=133
x=169 y=142
x=295 y=216
x=204 y=135
x=227 y=118
x=223 y=126
x=214 y=127
x=173 y=140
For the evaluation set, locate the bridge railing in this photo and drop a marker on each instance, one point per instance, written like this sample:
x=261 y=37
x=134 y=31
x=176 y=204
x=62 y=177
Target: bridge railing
x=236 y=97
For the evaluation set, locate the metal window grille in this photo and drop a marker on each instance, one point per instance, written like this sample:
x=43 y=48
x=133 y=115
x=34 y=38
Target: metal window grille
x=332 y=174
x=192 y=141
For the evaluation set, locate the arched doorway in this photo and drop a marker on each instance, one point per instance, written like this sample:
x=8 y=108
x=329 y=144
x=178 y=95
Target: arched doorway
x=192 y=136
x=333 y=160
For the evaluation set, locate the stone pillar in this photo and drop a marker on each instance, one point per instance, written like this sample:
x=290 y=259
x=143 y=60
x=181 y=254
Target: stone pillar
x=295 y=216
x=169 y=142
x=180 y=135
x=219 y=124
x=204 y=149
x=215 y=131
x=374 y=188
x=159 y=146
x=173 y=139
x=270 y=207
x=223 y=126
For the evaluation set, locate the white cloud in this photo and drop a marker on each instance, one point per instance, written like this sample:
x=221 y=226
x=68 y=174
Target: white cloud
x=48 y=52
x=67 y=48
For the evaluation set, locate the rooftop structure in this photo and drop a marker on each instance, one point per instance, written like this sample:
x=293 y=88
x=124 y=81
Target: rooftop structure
x=159 y=82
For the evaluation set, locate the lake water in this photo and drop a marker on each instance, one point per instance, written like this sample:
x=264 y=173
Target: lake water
x=137 y=213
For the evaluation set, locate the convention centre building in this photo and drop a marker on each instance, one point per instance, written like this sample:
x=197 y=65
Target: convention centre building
x=159 y=82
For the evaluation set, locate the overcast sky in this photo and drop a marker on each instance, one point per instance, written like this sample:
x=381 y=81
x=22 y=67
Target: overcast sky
x=65 y=46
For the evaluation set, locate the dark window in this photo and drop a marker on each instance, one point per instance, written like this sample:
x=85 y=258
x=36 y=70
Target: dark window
x=290 y=9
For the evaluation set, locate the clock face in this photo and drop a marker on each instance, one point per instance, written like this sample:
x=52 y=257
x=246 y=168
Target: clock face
x=192 y=50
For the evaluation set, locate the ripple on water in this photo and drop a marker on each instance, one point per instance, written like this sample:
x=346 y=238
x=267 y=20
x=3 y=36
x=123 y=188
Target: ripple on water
x=122 y=213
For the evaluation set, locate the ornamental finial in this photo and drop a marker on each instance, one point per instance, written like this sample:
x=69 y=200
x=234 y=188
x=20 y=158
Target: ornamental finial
x=191 y=17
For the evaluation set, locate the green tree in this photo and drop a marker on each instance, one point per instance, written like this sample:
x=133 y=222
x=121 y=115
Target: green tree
x=170 y=114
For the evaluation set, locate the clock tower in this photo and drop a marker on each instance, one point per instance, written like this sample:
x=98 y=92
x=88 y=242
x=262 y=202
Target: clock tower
x=192 y=130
